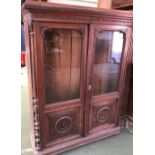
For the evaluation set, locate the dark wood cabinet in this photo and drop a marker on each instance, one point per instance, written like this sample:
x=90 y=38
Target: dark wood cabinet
x=77 y=59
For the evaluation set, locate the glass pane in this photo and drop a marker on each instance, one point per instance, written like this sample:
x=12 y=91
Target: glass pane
x=62 y=55
x=106 y=67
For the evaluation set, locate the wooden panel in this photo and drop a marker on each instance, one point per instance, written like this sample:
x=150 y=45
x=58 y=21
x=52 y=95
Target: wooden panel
x=102 y=114
x=63 y=124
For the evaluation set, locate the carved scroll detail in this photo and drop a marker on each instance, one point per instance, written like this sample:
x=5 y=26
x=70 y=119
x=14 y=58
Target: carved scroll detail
x=36 y=124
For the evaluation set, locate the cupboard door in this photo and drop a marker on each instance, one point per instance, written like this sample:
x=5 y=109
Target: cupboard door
x=105 y=76
x=61 y=60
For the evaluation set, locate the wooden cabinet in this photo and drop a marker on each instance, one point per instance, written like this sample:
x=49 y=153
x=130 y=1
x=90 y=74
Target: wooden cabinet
x=77 y=60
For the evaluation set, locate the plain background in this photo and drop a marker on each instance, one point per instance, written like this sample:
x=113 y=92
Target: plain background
x=144 y=77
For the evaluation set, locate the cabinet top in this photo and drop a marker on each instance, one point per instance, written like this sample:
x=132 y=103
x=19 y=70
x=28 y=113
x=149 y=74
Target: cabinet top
x=46 y=6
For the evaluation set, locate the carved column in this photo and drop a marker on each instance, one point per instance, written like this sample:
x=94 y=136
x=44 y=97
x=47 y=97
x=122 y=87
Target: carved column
x=35 y=99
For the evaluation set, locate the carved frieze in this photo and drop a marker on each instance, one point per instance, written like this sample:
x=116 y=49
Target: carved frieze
x=108 y=20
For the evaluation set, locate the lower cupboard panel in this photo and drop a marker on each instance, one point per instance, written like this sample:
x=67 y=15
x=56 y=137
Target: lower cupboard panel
x=102 y=115
x=63 y=125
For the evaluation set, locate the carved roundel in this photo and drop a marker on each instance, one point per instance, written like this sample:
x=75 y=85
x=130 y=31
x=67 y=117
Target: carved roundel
x=63 y=124
x=103 y=114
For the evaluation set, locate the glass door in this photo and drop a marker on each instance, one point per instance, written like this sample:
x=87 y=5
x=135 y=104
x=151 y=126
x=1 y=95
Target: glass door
x=105 y=75
x=61 y=60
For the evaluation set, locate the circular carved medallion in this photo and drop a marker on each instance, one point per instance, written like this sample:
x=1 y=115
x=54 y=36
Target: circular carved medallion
x=63 y=124
x=103 y=114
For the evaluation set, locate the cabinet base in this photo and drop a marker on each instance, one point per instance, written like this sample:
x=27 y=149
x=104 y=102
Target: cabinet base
x=75 y=143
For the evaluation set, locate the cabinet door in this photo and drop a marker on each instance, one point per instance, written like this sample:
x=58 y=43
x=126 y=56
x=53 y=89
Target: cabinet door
x=105 y=75
x=61 y=67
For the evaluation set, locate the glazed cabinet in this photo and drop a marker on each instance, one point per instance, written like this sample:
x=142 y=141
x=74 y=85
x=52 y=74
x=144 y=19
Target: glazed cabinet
x=76 y=59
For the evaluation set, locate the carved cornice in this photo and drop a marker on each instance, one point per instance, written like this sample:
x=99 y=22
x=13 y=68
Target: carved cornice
x=52 y=7
x=107 y=20
x=109 y=17
x=53 y=12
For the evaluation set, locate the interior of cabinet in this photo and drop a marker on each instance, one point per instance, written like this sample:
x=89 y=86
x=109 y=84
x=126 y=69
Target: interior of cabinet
x=106 y=68
x=62 y=54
